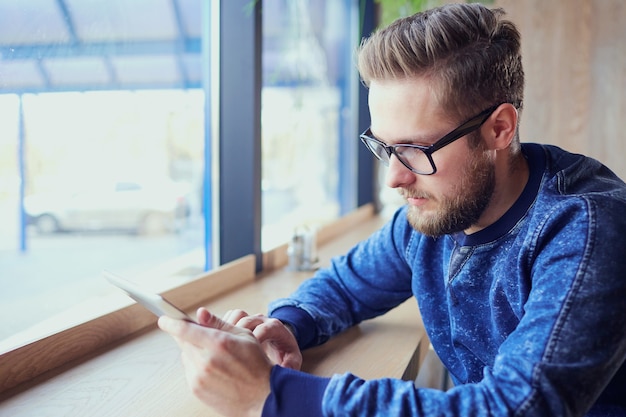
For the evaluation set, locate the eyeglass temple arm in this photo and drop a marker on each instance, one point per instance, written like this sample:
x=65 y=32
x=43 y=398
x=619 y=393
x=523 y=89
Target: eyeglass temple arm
x=468 y=127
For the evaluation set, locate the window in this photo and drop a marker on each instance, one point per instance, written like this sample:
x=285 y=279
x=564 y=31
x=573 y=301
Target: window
x=102 y=145
x=308 y=114
x=105 y=101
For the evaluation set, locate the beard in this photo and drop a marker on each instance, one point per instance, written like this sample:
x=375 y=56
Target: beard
x=471 y=197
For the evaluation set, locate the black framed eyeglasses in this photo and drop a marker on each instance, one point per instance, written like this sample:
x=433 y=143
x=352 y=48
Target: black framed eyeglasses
x=418 y=158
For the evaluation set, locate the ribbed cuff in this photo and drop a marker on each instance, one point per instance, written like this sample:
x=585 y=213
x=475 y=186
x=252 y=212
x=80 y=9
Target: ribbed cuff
x=301 y=322
x=294 y=393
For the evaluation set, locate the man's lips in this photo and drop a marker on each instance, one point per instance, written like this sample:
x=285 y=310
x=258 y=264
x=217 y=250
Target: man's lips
x=417 y=201
x=415 y=198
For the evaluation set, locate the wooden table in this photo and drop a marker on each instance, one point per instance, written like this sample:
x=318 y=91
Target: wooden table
x=143 y=376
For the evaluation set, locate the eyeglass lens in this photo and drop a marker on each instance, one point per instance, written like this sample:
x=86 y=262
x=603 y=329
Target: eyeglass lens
x=411 y=157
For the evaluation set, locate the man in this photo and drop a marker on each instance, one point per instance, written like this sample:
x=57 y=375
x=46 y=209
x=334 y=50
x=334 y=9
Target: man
x=515 y=253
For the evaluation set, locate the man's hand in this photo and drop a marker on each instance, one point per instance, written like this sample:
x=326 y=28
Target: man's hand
x=225 y=365
x=277 y=340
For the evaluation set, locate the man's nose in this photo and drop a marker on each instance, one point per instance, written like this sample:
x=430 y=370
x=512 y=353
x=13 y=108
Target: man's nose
x=398 y=175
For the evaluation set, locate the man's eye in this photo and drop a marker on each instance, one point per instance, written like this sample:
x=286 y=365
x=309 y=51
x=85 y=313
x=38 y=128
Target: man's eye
x=406 y=151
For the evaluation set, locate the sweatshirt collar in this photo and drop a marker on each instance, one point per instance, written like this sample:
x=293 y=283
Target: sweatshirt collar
x=536 y=165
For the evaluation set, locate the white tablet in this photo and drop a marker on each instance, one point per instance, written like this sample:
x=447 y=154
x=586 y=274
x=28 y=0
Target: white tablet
x=153 y=302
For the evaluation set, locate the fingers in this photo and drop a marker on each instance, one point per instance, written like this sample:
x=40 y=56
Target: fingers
x=234 y=321
x=278 y=342
x=205 y=318
x=215 y=334
x=252 y=322
x=233 y=316
x=211 y=327
x=242 y=319
x=171 y=326
x=271 y=328
x=180 y=330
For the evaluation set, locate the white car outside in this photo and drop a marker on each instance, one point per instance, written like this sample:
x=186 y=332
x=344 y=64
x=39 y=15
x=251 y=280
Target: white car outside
x=146 y=209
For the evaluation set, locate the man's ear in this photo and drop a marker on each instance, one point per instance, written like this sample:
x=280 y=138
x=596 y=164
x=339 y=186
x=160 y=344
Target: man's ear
x=501 y=127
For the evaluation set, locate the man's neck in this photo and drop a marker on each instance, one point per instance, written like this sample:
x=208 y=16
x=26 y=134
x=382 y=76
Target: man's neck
x=511 y=178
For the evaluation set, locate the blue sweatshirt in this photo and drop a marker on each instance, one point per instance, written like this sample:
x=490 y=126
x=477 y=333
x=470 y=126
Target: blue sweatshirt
x=528 y=315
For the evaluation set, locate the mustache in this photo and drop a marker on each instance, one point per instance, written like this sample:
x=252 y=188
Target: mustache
x=414 y=194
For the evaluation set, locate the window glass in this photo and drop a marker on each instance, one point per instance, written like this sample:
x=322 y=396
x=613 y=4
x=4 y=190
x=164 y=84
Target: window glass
x=9 y=178
x=107 y=171
x=307 y=49
x=102 y=141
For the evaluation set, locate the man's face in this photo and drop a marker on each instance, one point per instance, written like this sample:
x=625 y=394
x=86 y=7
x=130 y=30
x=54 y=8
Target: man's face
x=455 y=197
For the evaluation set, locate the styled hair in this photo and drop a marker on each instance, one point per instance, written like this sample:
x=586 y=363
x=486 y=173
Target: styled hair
x=469 y=52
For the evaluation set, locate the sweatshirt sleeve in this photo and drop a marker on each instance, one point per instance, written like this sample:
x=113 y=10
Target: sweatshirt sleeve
x=294 y=393
x=300 y=322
